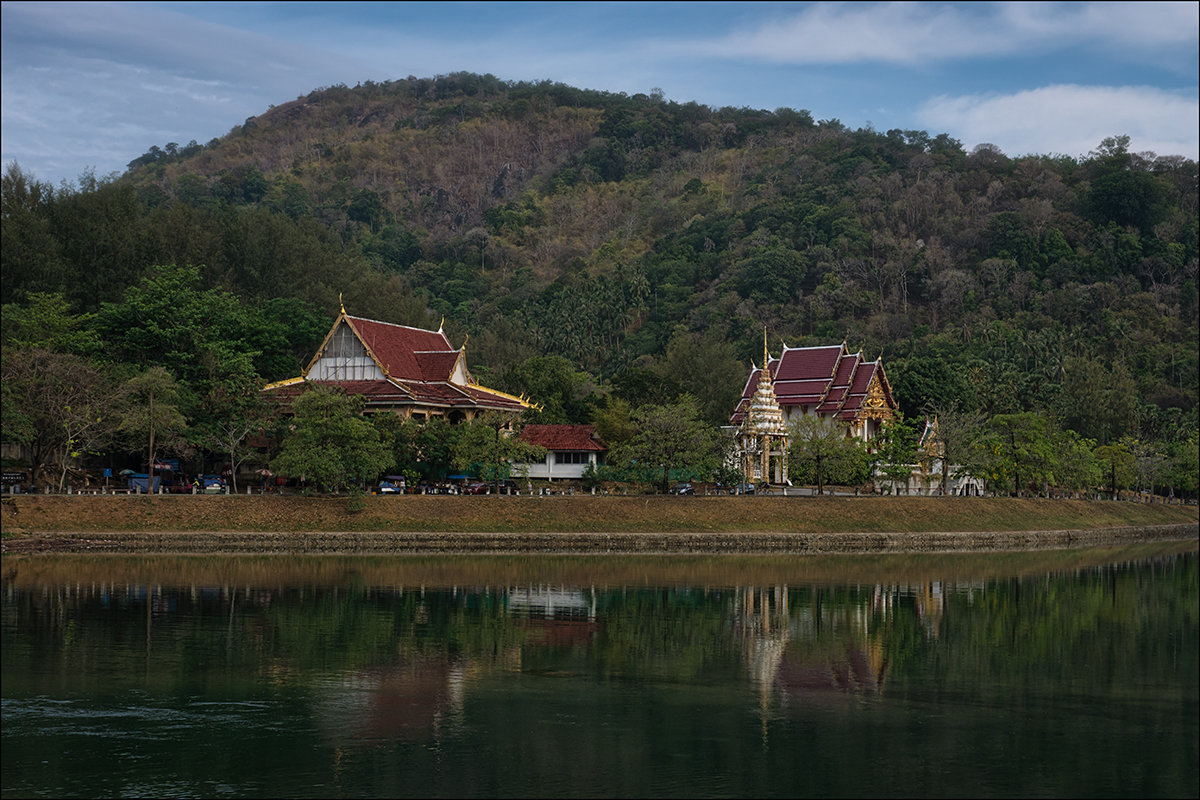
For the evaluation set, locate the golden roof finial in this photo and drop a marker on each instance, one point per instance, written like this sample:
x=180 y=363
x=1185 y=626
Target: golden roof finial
x=442 y=324
x=340 y=303
x=766 y=355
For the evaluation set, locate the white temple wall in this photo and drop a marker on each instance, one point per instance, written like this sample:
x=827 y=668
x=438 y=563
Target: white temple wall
x=349 y=368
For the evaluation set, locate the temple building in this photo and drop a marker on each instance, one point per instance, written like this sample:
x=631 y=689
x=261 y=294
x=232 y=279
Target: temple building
x=398 y=369
x=830 y=383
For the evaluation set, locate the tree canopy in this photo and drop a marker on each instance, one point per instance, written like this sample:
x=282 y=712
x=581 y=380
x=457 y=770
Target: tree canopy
x=331 y=445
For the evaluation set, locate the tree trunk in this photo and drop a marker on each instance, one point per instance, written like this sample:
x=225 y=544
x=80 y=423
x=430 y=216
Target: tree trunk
x=150 y=472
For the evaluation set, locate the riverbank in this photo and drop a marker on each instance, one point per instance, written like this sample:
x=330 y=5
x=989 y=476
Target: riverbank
x=651 y=524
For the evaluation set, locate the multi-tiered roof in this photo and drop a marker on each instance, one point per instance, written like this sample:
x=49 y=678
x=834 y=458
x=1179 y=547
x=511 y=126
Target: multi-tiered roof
x=829 y=381
x=397 y=367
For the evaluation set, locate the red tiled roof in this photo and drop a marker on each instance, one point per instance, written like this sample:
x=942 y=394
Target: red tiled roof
x=832 y=400
x=808 y=363
x=862 y=378
x=562 y=437
x=438 y=393
x=845 y=370
x=436 y=366
x=840 y=386
x=376 y=391
x=410 y=354
x=372 y=390
x=419 y=366
x=829 y=379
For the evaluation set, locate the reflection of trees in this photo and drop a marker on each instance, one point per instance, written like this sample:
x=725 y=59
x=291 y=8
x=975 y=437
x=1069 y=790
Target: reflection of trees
x=284 y=636
x=421 y=691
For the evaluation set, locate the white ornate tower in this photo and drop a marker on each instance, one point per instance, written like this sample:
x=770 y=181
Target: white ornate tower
x=764 y=433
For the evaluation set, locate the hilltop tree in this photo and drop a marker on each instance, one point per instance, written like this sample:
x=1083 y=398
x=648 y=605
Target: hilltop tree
x=1118 y=465
x=420 y=449
x=565 y=393
x=45 y=321
x=1018 y=451
x=238 y=411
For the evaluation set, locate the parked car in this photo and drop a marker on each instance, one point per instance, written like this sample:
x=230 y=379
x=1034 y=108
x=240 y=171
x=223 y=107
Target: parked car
x=478 y=488
x=683 y=488
x=387 y=487
x=744 y=488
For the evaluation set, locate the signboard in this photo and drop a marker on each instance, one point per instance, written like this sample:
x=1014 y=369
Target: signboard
x=11 y=478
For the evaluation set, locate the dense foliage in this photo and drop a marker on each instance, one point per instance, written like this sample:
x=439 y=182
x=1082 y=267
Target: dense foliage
x=633 y=247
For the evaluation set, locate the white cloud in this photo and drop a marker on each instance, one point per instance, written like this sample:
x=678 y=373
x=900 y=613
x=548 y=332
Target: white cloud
x=158 y=40
x=915 y=33
x=95 y=84
x=1071 y=120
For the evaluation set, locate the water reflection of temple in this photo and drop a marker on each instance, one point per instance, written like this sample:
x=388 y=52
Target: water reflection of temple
x=400 y=663
x=811 y=641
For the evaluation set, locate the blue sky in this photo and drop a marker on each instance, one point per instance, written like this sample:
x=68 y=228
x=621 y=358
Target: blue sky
x=94 y=85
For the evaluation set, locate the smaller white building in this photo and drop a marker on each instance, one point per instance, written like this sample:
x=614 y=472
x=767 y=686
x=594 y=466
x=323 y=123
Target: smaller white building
x=569 y=450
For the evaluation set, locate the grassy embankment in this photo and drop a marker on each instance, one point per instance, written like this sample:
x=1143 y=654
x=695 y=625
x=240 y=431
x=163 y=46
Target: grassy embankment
x=607 y=524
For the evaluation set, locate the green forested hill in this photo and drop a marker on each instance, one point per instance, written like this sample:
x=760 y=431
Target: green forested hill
x=647 y=244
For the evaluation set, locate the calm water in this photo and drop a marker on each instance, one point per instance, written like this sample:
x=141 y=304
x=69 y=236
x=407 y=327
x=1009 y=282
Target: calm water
x=1062 y=674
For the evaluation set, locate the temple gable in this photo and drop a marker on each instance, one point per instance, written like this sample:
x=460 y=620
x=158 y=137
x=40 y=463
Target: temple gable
x=343 y=357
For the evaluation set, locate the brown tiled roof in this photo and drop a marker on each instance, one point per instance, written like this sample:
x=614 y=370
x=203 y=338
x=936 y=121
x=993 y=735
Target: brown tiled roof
x=562 y=437
x=858 y=390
